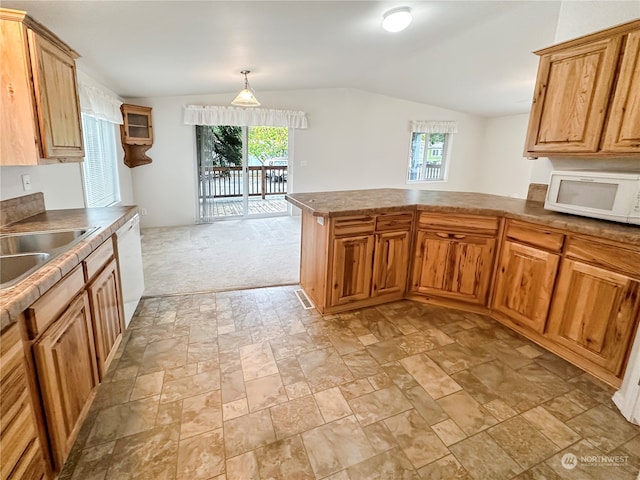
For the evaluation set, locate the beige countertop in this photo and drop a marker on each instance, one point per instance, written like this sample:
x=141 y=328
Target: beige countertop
x=16 y=299
x=358 y=202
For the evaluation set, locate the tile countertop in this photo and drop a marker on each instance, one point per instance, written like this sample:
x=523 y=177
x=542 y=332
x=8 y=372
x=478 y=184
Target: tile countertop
x=359 y=202
x=16 y=299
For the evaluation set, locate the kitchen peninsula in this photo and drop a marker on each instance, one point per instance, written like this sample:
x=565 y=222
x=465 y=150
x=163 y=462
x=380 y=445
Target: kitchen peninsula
x=569 y=283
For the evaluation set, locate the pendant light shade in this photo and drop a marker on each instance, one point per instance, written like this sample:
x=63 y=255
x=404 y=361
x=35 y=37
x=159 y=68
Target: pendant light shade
x=246 y=97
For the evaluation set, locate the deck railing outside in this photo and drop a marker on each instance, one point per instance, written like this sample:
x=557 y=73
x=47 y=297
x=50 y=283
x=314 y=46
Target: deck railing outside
x=216 y=182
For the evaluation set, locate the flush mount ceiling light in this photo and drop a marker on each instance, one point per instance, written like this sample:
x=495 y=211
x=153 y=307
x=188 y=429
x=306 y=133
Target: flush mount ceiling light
x=246 y=97
x=397 y=19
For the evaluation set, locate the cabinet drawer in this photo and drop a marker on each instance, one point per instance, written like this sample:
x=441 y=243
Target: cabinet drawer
x=48 y=307
x=394 y=222
x=98 y=258
x=535 y=235
x=608 y=256
x=459 y=222
x=353 y=225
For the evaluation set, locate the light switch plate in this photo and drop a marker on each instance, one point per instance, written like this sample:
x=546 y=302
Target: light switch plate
x=26 y=182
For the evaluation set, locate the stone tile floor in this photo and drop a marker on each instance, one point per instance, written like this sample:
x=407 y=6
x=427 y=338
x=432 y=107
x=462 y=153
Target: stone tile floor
x=249 y=385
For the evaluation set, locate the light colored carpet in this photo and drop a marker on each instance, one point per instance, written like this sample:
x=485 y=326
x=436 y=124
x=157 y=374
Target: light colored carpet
x=227 y=255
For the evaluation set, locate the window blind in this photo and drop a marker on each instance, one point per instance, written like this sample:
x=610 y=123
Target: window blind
x=100 y=162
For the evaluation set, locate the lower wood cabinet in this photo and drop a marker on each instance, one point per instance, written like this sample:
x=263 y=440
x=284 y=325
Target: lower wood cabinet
x=106 y=314
x=19 y=444
x=390 y=262
x=594 y=314
x=524 y=284
x=351 y=272
x=66 y=361
x=453 y=265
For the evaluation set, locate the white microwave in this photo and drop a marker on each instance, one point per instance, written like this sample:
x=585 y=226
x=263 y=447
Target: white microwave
x=607 y=195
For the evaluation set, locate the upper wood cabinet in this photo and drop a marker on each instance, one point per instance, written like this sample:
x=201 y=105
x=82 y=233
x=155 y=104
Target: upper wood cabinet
x=587 y=96
x=40 y=120
x=136 y=134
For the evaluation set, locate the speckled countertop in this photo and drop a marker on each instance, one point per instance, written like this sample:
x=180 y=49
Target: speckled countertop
x=16 y=299
x=358 y=202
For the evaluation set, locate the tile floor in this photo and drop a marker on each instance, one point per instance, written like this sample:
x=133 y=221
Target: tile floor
x=249 y=385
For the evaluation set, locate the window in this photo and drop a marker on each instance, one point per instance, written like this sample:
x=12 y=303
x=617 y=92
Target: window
x=430 y=143
x=100 y=168
x=428 y=156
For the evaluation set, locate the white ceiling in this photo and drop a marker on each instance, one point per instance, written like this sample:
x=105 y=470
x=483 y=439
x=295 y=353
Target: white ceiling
x=471 y=56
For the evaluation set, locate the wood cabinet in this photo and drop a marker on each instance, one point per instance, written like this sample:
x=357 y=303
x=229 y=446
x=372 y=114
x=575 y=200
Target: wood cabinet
x=370 y=255
x=576 y=295
x=19 y=443
x=596 y=306
x=586 y=96
x=136 y=134
x=66 y=362
x=351 y=272
x=106 y=314
x=453 y=257
x=390 y=263
x=40 y=107
x=356 y=261
x=73 y=331
x=526 y=274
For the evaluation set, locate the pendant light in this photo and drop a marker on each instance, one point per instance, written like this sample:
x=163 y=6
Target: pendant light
x=246 y=97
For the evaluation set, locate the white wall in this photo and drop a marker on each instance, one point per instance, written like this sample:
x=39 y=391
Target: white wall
x=62 y=183
x=355 y=140
x=577 y=19
x=504 y=171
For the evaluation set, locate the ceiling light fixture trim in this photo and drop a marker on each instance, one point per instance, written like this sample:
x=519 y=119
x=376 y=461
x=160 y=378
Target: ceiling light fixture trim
x=246 y=97
x=396 y=19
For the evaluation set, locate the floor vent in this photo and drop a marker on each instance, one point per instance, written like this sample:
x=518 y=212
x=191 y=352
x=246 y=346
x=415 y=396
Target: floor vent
x=304 y=300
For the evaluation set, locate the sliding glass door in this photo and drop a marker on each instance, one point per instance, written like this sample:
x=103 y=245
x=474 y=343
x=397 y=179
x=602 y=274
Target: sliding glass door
x=242 y=171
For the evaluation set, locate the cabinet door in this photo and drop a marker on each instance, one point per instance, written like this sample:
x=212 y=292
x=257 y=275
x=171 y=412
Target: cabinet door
x=390 y=262
x=524 y=284
x=66 y=363
x=594 y=313
x=19 y=444
x=453 y=265
x=571 y=97
x=137 y=128
x=351 y=272
x=623 y=129
x=17 y=127
x=54 y=77
x=106 y=314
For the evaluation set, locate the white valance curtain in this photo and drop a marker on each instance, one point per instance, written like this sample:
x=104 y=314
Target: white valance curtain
x=98 y=103
x=243 y=117
x=434 y=126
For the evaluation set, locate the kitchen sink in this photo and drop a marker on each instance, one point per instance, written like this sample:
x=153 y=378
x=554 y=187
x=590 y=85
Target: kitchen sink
x=50 y=241
x=14 y=268
x=22 y=253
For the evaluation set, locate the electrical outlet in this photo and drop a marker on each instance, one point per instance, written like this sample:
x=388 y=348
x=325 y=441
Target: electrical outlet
x=143 y=211
x=26 y=182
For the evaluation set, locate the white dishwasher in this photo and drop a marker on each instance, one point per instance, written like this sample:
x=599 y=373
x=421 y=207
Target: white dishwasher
x=131 y=273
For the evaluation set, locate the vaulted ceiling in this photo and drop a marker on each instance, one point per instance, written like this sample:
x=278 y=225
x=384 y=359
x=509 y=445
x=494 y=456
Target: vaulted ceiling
x=471 y=56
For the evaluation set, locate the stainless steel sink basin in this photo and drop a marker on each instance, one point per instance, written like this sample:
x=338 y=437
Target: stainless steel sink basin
x=22 y=253
x=46 y=241
x=14 y=268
